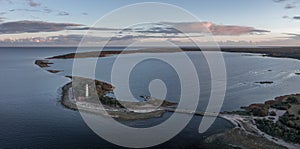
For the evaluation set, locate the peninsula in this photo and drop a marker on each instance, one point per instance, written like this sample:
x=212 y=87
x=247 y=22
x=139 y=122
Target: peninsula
x=288 y=52
x=272 y=124
x=86 y=95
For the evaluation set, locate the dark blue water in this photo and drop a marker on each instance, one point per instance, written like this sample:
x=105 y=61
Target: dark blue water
x=243 y=73
x=32 y=117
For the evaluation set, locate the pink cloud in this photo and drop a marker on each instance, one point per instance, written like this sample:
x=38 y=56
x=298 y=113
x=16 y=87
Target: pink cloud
x=205 y=27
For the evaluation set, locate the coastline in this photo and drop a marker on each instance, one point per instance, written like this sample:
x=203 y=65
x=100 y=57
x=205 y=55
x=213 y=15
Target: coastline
x=245 y=127
x=244 y=124
x=275 y=120
x=245 y=134
x=280 y=52
x=106 y=110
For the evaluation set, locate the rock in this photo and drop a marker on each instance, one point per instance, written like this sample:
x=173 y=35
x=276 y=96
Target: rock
x=272 y=113
x=265 y=82
x=43 y=63
x=54 y=71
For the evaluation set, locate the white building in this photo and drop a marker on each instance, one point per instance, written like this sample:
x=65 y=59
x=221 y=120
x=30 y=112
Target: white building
x=86 y=90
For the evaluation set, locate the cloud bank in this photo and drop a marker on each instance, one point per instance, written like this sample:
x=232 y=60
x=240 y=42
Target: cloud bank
x=162 y=28
x=33 y=27
x=206 y=27
x=149 y=32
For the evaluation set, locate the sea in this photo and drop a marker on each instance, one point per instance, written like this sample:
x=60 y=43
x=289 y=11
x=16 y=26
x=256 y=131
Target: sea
x=31 y=115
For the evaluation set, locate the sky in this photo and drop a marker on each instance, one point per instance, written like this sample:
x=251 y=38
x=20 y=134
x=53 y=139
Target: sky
x=230 y=22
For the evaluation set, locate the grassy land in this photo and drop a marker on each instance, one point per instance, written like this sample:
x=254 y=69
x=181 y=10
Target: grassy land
x=278 y=130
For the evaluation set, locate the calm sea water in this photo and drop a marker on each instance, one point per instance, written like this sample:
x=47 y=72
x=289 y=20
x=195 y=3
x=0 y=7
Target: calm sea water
x=243 y=73
x=31 y=116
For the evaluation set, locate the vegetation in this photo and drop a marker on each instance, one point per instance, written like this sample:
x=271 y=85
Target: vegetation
x=112 y=102
x=283 y=105
x=272 y=113
x=292 y=100
x=278 y=130
x=288 y=125
x=257 y=109
x=239 y=112
x=98 y=91
x=290 y=120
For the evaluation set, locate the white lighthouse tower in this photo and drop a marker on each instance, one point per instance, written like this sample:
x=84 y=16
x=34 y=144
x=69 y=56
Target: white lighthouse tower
x=86 y=90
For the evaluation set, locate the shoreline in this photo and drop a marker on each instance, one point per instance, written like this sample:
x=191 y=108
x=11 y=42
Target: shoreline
x=275 y=120
x=280 y=52
x=245 y=124
x=242 y=124
x=119 y=113
x=240 y=121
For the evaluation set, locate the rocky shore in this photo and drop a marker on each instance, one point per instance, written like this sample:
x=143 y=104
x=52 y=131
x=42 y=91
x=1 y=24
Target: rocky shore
x=43 y=63
x=272 y=124
x=124 y=110
x=249 y=123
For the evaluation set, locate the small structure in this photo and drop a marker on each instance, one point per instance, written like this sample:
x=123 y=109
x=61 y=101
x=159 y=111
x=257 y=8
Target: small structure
x=146 y=98
x=86 y=90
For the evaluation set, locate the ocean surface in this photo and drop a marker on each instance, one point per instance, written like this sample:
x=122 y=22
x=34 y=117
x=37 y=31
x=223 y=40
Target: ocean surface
x=31 y=115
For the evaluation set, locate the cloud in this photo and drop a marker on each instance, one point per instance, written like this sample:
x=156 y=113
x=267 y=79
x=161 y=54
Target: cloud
x=279 y=1
x=33 y=27
x=31 y=3
x=146 y=32
x=194 y=27
x=293 y=35
x=2 y=18
x=94 y=29
x=234 y=30
x=35 y=7
x=47 y=10
x=290 y=6
x=95 y=39
x=41 y=26
x=135 y=37
x=3 y=13
x=205 y=27
x=153 y=29
x=63 y=13
x=64 y=40
x=285 y=17
x=29 y=10
x=296 y=17
x=75 y=39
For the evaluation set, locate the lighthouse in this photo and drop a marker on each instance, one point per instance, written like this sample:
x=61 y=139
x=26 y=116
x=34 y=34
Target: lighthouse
x=86 y=90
